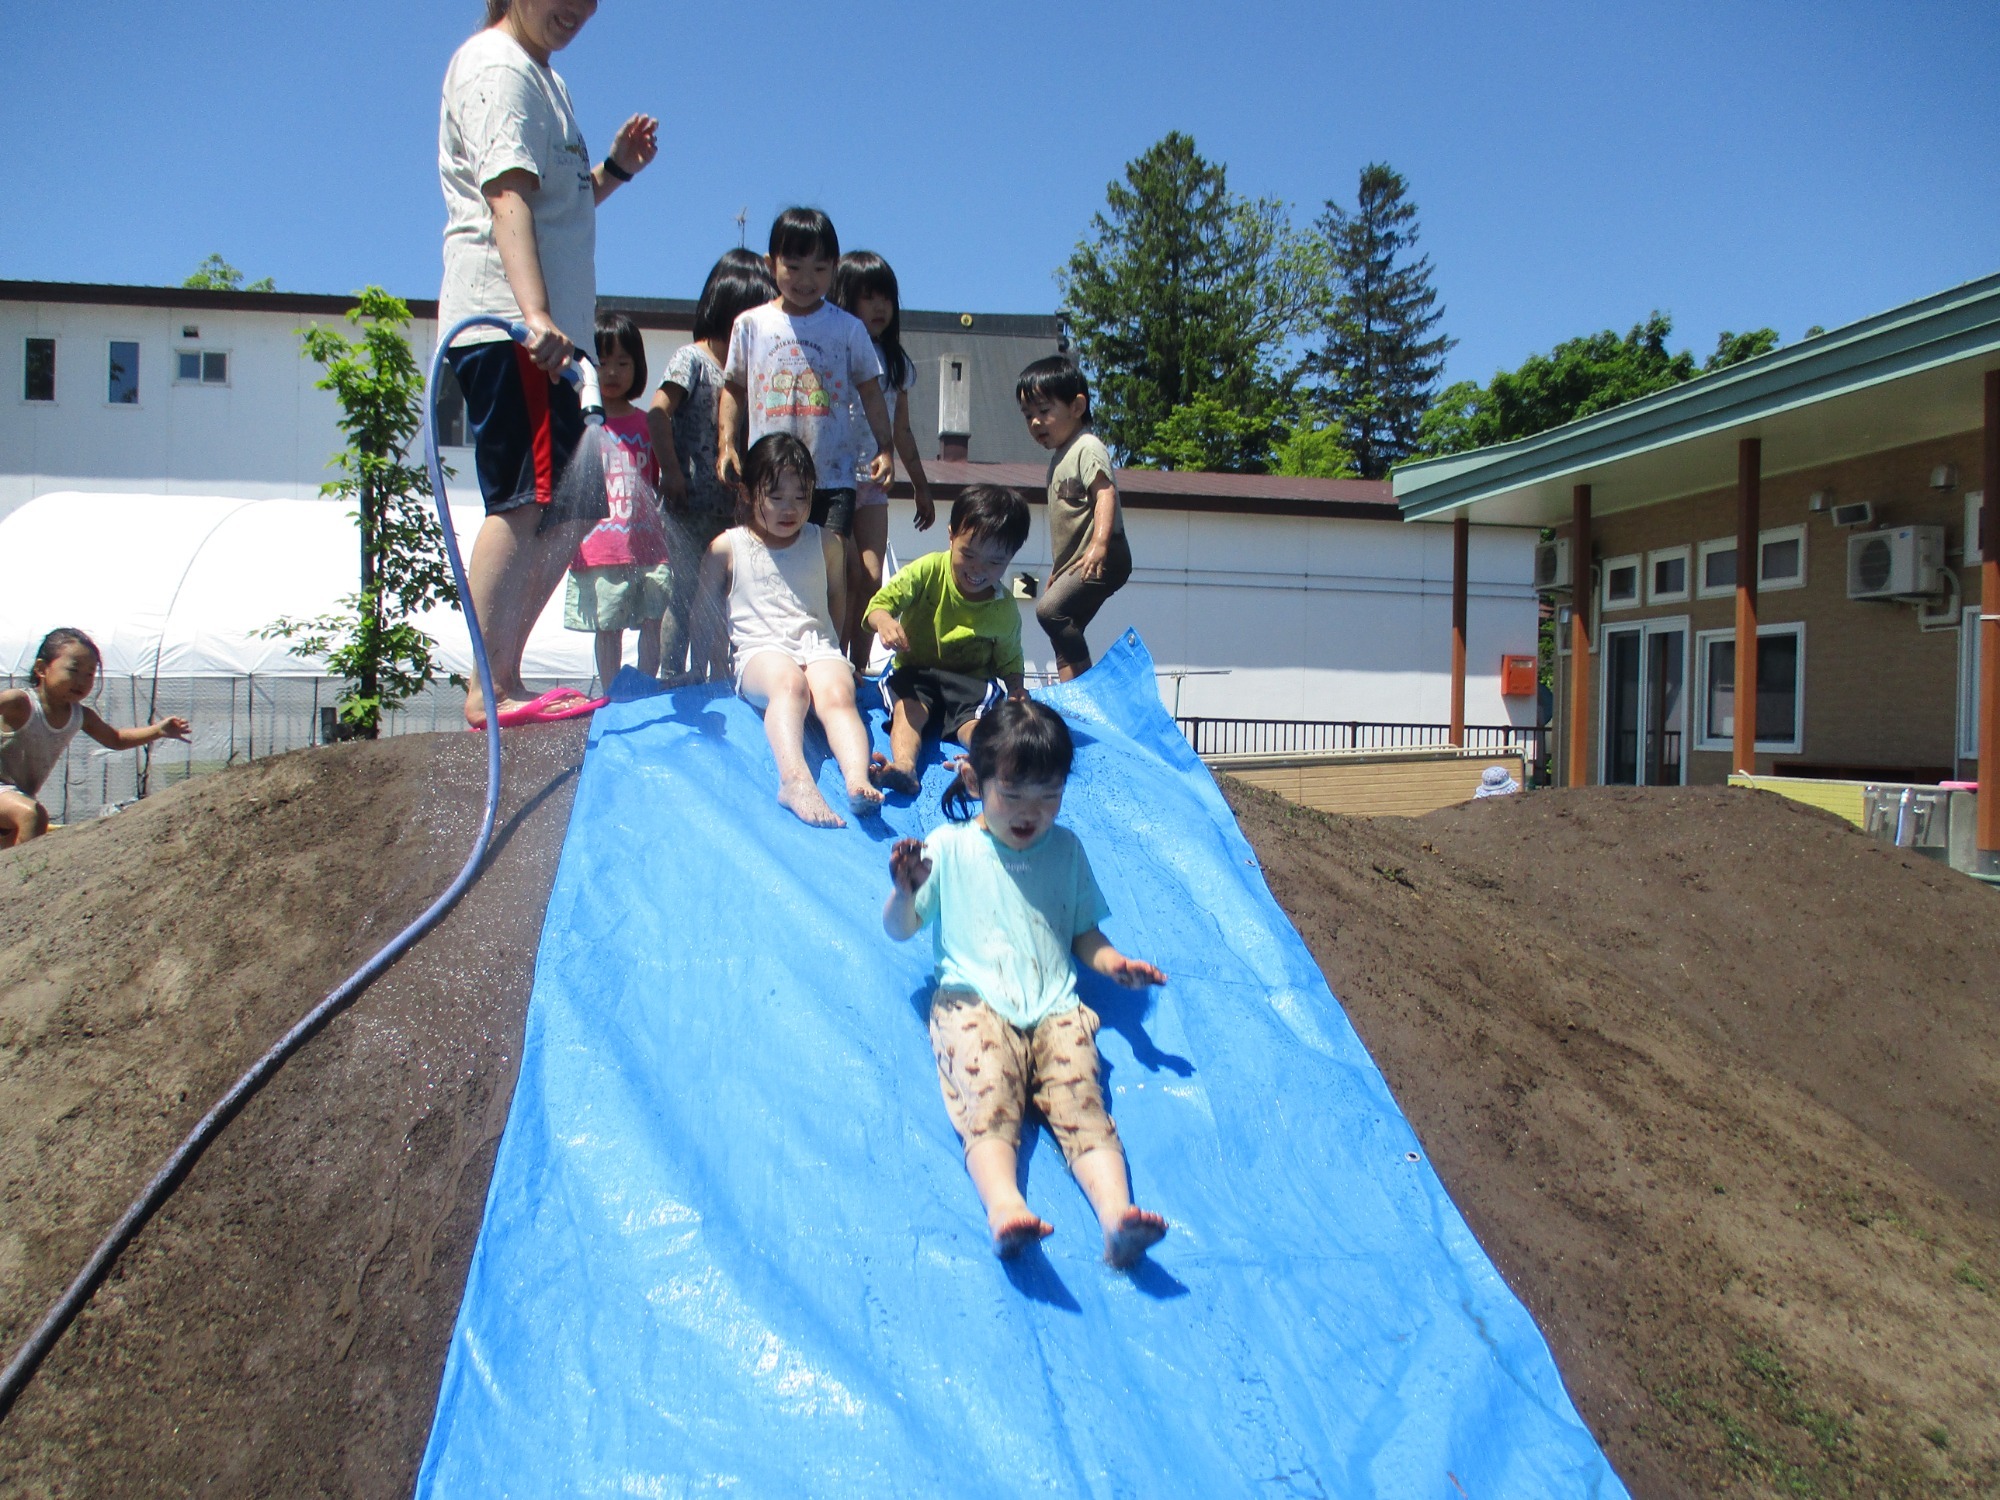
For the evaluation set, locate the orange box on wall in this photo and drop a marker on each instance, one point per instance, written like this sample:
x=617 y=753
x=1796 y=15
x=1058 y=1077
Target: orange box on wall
x=1518 y=677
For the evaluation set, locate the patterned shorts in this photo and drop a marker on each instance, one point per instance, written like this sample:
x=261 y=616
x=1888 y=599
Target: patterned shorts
x=990 y=1069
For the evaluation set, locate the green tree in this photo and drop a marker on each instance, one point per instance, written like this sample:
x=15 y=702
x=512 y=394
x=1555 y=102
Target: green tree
x=1380 y=354
x=217 y=275
x=1315 y=450
x=1734 y=348
x=1208 y=434
x=371 y=642
x=1183 y=290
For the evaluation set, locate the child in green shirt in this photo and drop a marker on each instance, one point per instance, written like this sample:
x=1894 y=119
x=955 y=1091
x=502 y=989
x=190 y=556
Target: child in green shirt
x=953 y=624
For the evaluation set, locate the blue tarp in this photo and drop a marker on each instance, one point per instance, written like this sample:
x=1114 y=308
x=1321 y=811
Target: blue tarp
x=730 y=1247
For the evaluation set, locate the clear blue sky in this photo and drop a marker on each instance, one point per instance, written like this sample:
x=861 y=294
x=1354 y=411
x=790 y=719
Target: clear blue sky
x=1575 y=165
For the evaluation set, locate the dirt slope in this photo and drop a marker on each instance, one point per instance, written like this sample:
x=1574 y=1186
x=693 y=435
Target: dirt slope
x=1716 y=1081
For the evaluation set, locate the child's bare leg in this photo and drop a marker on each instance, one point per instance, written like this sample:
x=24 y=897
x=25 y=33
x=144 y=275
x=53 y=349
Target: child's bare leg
x=1129 y=1232
x=871 y=541
x=964 y=732
x=906 y=739
x=610 y=654
x=994 y=1166
x=774 y=682
x=649 y=647
x=832 y=687
x=21 y=818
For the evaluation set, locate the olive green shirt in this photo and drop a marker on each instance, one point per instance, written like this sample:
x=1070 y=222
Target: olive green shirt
x=1076 y=467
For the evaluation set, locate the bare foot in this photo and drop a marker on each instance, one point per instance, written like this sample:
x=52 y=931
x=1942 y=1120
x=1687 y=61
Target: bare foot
x=1137 y=1232
x=893 y=777
x=802 y=798
x=1014 y=1232
x=475 y=713
x=864 y=801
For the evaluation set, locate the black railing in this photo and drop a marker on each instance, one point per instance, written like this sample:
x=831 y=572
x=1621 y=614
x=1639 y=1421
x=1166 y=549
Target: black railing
x=1317 y=736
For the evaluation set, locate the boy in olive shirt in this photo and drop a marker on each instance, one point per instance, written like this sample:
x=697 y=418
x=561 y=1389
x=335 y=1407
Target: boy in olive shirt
x=954 y=627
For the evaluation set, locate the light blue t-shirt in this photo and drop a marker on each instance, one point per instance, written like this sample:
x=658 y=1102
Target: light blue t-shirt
x=1006 y=917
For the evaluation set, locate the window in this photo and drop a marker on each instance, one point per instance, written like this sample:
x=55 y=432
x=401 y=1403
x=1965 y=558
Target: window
x=1715 y=575
x=201 y=367
x=1621 y=582
x=1667 y=575
x=1781 y=558
x=38 y=370
x=1968 y=684
x=450 y=409
x=123 y=383
x=1781 y=660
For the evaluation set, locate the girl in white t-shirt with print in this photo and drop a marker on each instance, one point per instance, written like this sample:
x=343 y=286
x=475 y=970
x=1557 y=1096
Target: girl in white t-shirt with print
x=780 y=581
x=864 y=285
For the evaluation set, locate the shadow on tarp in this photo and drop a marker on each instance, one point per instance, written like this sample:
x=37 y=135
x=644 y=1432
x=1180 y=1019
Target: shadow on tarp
x=729 y=1243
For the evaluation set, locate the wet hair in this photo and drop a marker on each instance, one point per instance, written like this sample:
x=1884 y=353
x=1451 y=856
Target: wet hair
x=736 y=283
x=619 y=329
x=863 y=273
x=804 y=231
x=991 y=512
x=60 y=640
x=1020 y=740
x=773 y=454
x=1056 y=379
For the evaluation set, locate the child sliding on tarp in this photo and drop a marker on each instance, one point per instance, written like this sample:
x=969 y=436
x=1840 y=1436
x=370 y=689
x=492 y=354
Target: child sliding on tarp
x=1012 y=899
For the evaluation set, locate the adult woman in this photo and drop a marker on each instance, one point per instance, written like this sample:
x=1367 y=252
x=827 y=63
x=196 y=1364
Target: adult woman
x=520 y=243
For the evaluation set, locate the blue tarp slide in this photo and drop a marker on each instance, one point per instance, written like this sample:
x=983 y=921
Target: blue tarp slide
x=730 y=1247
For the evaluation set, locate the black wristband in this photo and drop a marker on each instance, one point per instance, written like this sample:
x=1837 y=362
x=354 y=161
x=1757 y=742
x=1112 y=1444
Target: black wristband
x=611 y=166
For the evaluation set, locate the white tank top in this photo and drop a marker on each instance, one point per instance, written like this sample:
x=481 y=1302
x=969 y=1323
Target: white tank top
x=29 y=753
x=777 y=600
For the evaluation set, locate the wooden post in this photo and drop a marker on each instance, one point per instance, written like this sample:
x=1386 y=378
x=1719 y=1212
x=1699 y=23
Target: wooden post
x=1461 y=533
x=1579 y=636
x=1989 y=631
x=1749 y=479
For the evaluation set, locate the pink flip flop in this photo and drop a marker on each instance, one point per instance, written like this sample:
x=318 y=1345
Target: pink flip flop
x=552 y=707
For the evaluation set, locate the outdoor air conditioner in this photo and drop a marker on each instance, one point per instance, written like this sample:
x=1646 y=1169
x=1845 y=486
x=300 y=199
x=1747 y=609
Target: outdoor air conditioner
x=1906 y=563
x=1552 y=574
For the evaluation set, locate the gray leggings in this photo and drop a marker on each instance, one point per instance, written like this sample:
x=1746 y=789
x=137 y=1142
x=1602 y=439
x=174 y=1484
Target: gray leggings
x=1069 y=603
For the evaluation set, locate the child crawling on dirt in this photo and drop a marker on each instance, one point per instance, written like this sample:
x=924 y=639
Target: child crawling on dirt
x=780 y=583
x=37 y=724
x=1012 y=898
x=955 y=629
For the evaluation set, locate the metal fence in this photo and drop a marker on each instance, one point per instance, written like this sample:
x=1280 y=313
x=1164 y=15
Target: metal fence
x=1316 y=736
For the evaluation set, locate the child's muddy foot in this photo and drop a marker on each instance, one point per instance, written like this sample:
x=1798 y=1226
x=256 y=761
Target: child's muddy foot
x=894 y=778
x=864 y=801
x=1137 y=1232
x=802 y=798
x=1015 y=1232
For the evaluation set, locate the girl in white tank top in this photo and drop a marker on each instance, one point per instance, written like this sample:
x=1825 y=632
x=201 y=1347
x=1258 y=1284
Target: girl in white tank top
x=779 y=583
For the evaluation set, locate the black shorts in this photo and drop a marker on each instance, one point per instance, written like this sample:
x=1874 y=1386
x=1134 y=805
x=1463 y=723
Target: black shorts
x=834 y=509
x=949 y=698
x=525 y=429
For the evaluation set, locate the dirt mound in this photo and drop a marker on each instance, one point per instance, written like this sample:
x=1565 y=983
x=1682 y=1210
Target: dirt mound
x=1716 y=1080
x=280 y=1328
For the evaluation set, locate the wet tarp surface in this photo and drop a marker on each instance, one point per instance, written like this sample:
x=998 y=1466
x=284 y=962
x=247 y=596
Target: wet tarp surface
x=730 y=1247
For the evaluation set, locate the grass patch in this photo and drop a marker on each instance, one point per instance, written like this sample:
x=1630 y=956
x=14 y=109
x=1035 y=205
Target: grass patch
x=1965 y=1275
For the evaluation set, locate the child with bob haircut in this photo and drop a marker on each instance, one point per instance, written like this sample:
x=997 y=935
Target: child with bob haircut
x=796 y=362
x=1090 y=560
x=37 y=723
x=954 y=627
x=1012 y=899
x=781 y=581
x=682 y=417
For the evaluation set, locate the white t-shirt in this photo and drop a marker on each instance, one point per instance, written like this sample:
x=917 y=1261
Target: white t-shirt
x=503 y=111
x=857 y=420
x=799 y=376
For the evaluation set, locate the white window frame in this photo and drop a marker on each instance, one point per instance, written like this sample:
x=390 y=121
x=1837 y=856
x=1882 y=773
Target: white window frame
x=1781 y=534
x=1667 y=554
x=1610 y=565
x=1968 y=683
x=201 y=358
x=1702 y=740
x=1646 y=629
x=1703 y=553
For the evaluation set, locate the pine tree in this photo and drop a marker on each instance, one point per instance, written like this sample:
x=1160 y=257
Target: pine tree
x=1182 y=294
x=1379 y=364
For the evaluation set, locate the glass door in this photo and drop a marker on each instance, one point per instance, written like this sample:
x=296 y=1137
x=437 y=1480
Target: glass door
x=1644 y=723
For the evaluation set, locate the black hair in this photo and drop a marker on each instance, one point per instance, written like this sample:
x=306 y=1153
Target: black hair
x=60 y=640
x=618 y=328
x=863 y=273
x=1057 y=379
x=736 y=283
x=991 y=512
x=1019 y=740
x=773 y=454
x=496 y=11
x=804 y=231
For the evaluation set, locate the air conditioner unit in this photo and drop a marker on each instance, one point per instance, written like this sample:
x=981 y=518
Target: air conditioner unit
x=1552 y=575
x=1855 y=513
x=1905 y=563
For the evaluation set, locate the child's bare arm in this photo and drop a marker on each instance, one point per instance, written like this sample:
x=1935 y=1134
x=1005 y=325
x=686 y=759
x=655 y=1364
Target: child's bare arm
x=728 y=421
x=888 y=629
x=660 y=427
x=708 y=638
x=14 y=707
x=882 y=468
x=920 y=484
x=835 y=546
x=175 y=728
x=1016 y=685
x=909 y=869
x=1104 y=500
x=1093 y=950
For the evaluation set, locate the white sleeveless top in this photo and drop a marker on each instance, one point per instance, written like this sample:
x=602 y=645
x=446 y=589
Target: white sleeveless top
x=777 y=600
x=29 y=753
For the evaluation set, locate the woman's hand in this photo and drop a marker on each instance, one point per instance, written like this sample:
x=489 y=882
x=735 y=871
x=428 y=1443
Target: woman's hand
x=548 y=346
x=636 y=144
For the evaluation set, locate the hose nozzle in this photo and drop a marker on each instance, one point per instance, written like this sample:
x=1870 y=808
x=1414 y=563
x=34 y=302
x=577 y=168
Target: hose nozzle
x=579 y=372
